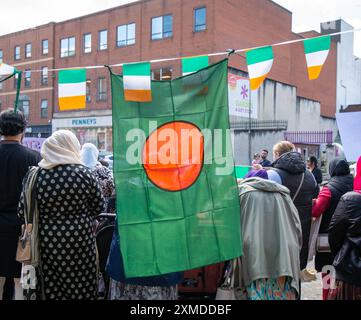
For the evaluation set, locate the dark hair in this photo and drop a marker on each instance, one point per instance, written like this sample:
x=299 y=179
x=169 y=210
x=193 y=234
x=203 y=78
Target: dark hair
x=313 y=160
x=265 y=150
x=12 y=123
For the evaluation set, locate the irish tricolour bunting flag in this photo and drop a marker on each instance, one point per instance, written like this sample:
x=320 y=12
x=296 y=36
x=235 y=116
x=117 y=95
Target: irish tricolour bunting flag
x=6 y=70
x=72 y=89
x=316 y=51
x=137 y=82
x=259 y=63
x=194 y=64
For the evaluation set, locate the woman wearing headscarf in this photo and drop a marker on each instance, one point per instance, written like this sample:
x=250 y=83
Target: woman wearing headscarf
x=68 y=198
x=325 y=205
x=90 y=155
x=345 y=243
x=272 y=240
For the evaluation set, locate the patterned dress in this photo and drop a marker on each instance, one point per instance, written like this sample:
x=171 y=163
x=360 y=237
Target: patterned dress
x=106 y=180
x=69 y=197
x=272 y=289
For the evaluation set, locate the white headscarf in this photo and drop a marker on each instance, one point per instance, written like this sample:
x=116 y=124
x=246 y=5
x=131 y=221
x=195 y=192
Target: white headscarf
x=62 y=147
x=89 y=155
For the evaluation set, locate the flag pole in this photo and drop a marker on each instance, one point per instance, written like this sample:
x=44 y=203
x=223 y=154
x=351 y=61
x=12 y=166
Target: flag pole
x=18 y=86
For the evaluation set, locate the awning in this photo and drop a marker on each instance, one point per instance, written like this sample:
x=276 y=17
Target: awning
x=310 y=137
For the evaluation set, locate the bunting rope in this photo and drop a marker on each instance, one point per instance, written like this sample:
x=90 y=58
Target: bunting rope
x=230 y=51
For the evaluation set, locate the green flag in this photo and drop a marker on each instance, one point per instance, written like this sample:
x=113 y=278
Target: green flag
x=177 y=204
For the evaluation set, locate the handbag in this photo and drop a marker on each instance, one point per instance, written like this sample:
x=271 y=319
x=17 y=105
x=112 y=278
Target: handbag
x=323 y=246
x=232 y=287
x=23 y=252
x=24 y=249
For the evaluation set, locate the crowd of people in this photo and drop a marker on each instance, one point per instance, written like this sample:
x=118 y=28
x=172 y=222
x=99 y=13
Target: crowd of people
x=286 y=220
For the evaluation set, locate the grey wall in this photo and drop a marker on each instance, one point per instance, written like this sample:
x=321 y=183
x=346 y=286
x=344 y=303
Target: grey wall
x=277 y=101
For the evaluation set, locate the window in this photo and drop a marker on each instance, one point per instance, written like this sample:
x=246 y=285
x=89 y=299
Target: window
x=103 y=40
x=45 y=47
x=162 y=74
x=162 y=27
x=88 y=92
x=17 y=55
x=87 y=43
x=126 y=35
x=27 y=78
x=200 y=19
x=24 y=107
x=44 y=76
x=28 y=50
x=102 y=89
x=1 y=56
x=44 y=109
x=67 y=47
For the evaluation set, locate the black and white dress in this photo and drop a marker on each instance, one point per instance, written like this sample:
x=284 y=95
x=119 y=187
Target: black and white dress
x=69 y=197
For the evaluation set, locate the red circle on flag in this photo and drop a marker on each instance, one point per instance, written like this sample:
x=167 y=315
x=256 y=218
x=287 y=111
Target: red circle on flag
x=173 y=156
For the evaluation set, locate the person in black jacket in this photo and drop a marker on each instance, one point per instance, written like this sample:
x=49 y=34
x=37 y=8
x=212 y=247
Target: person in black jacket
x=289 y=169
x=312 y=165
x=15 y=160
x=325 y=205
x=345 y=243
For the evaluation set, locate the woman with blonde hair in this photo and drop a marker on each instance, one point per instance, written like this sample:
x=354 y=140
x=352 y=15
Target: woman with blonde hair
x=68 y=198
x=289 y=170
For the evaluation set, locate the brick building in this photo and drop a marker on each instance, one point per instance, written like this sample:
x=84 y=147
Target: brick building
x=29 y=50
x=155 y=29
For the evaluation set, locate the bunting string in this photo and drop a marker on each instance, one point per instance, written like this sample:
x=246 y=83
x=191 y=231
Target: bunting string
x=210 y=54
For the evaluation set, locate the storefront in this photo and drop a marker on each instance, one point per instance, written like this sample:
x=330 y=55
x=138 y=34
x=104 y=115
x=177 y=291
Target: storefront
x=309 y=143
x=97 y=130
x=38 y=131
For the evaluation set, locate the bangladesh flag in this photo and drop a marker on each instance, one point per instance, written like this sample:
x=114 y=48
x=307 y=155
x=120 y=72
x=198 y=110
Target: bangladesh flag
x=177 y=196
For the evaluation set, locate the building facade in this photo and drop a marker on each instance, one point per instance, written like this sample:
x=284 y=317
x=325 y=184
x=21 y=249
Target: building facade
x=31 y=51
x=155 y=29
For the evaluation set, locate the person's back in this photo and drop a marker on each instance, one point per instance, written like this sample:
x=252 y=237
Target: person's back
x=290 y=171
x=15 y=161
x=345 y=244
x=271 y=232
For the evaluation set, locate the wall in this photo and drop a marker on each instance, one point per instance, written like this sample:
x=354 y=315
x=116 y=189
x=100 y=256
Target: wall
x=36 y=92
x=349 y=70
x=245 y=24
x=278 y=101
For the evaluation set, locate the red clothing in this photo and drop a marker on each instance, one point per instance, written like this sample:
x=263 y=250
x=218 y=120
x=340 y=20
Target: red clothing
x=357 y=183
x=322 y=203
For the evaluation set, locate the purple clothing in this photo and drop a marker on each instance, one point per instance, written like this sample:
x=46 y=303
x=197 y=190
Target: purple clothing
x=257 y=173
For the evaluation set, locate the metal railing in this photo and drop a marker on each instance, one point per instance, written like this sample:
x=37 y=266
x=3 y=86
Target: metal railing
x=245 y=125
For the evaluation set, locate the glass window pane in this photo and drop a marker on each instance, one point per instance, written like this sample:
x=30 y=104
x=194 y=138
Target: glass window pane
x=157 y=28
x=200 y=19
x=44 y=108
x=45 y=47
x=28 y=50
x=24 y=108
x=167 y=26
x=44 y=75
x=122 y=36
x=87 y=43
x=64 y=48
x=103 y=40
x=1 y=56
x=71 y=46
x=17 y=53
x=131 y=34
